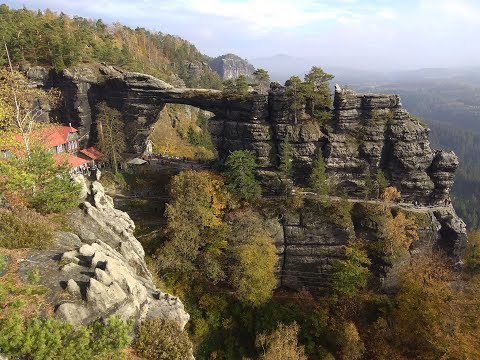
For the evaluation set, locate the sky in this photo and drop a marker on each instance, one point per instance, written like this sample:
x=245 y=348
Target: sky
x=363 y=34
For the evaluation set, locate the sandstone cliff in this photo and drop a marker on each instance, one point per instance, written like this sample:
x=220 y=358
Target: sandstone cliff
x=230 y=66
x=97 y=269
x=368 y=132
x=311 y=236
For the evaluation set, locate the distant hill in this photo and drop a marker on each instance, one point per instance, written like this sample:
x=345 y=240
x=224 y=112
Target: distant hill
x=59 y=41
x=231 y=66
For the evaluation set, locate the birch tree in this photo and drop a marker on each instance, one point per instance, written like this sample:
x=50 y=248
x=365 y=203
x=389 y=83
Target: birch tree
x=111 y=137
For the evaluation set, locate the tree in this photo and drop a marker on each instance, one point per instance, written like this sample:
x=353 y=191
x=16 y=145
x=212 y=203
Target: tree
x=295 y=96
x=352 y=347
x=241 y=86
x=351 y=273
x=195 y=227
x=229 y=89
x=159 y=339
x=111 y=137
x=318 y=177
x=472 y=254
x=281 y=344
x=318 y=91
x=20 y=107
x=369 y=185
x=262 y=78
x=391 y=194
x=286 y=158
x=240 y=175
x=261 y=75
x=398 y=234
x=38 y=182
x=252 y=258
x=423 y=315
x=382 y=182
x=38 y=338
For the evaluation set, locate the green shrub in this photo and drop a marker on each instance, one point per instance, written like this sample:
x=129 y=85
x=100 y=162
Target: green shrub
x=37 y=338
x=38 y=182
x=25 y=228
x=162 y=339
x=351 y=273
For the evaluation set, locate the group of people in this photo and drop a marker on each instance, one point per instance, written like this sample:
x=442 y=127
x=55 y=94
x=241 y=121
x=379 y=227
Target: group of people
x=446 y=202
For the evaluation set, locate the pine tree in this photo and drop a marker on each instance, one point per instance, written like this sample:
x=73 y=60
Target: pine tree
x=382 y=182
x=286 y=155
x=295 y=96
x=241 y=86
x=240 y=175
x=318 y=93
x=318 y=177
x=262 y=78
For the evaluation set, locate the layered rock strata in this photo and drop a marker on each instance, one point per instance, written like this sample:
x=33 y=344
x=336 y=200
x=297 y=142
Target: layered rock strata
x=316 y=234
x=368 y=132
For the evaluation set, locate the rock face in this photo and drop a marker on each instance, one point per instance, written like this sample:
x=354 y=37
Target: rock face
x=230 y=66
x=374 y=132
x=368 y=132
x=316 y=234
x=98 y=269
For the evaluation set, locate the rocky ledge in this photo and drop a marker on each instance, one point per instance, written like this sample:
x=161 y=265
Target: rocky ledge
x=368 y=132
x=98 y=269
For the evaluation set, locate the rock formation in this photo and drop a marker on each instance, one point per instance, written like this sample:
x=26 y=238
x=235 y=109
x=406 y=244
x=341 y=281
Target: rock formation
x=315 y=234
x=367 y=133
x=230 y=66
x=98 y=269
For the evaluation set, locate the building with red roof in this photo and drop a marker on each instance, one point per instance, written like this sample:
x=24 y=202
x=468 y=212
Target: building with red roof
x=91 y=153
x=62 y=140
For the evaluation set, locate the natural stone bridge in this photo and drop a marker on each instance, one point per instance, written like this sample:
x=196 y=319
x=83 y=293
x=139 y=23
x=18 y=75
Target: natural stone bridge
x=368 y=132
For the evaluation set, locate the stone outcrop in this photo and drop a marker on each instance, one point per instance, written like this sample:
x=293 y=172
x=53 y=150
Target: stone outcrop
x=98 y=268
x=231 y=66
x=315 y=234
x=368 y=132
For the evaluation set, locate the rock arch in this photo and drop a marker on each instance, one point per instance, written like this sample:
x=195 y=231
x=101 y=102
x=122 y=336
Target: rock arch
x=368 y=131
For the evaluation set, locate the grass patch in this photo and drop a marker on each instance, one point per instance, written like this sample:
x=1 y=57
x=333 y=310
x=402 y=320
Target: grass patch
x=25 y=228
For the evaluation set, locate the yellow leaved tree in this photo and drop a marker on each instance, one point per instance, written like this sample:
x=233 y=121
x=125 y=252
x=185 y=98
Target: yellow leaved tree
x=196 y=231
x=20 y=107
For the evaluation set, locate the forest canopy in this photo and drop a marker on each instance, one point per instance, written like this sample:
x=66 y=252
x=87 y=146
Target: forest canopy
x=59 y=41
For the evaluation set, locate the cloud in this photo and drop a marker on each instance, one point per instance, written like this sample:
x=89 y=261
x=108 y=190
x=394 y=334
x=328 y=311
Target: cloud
x=387 y=14
x=464 y=9
x=265 y=15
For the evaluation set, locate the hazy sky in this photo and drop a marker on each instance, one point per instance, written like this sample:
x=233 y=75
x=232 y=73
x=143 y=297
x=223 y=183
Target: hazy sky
x=367 y=34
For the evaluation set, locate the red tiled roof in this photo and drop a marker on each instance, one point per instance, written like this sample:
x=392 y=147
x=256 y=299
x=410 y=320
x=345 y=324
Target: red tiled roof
x=56 y=135
x=51 y=136
x=92 y=152
x=73 y=161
